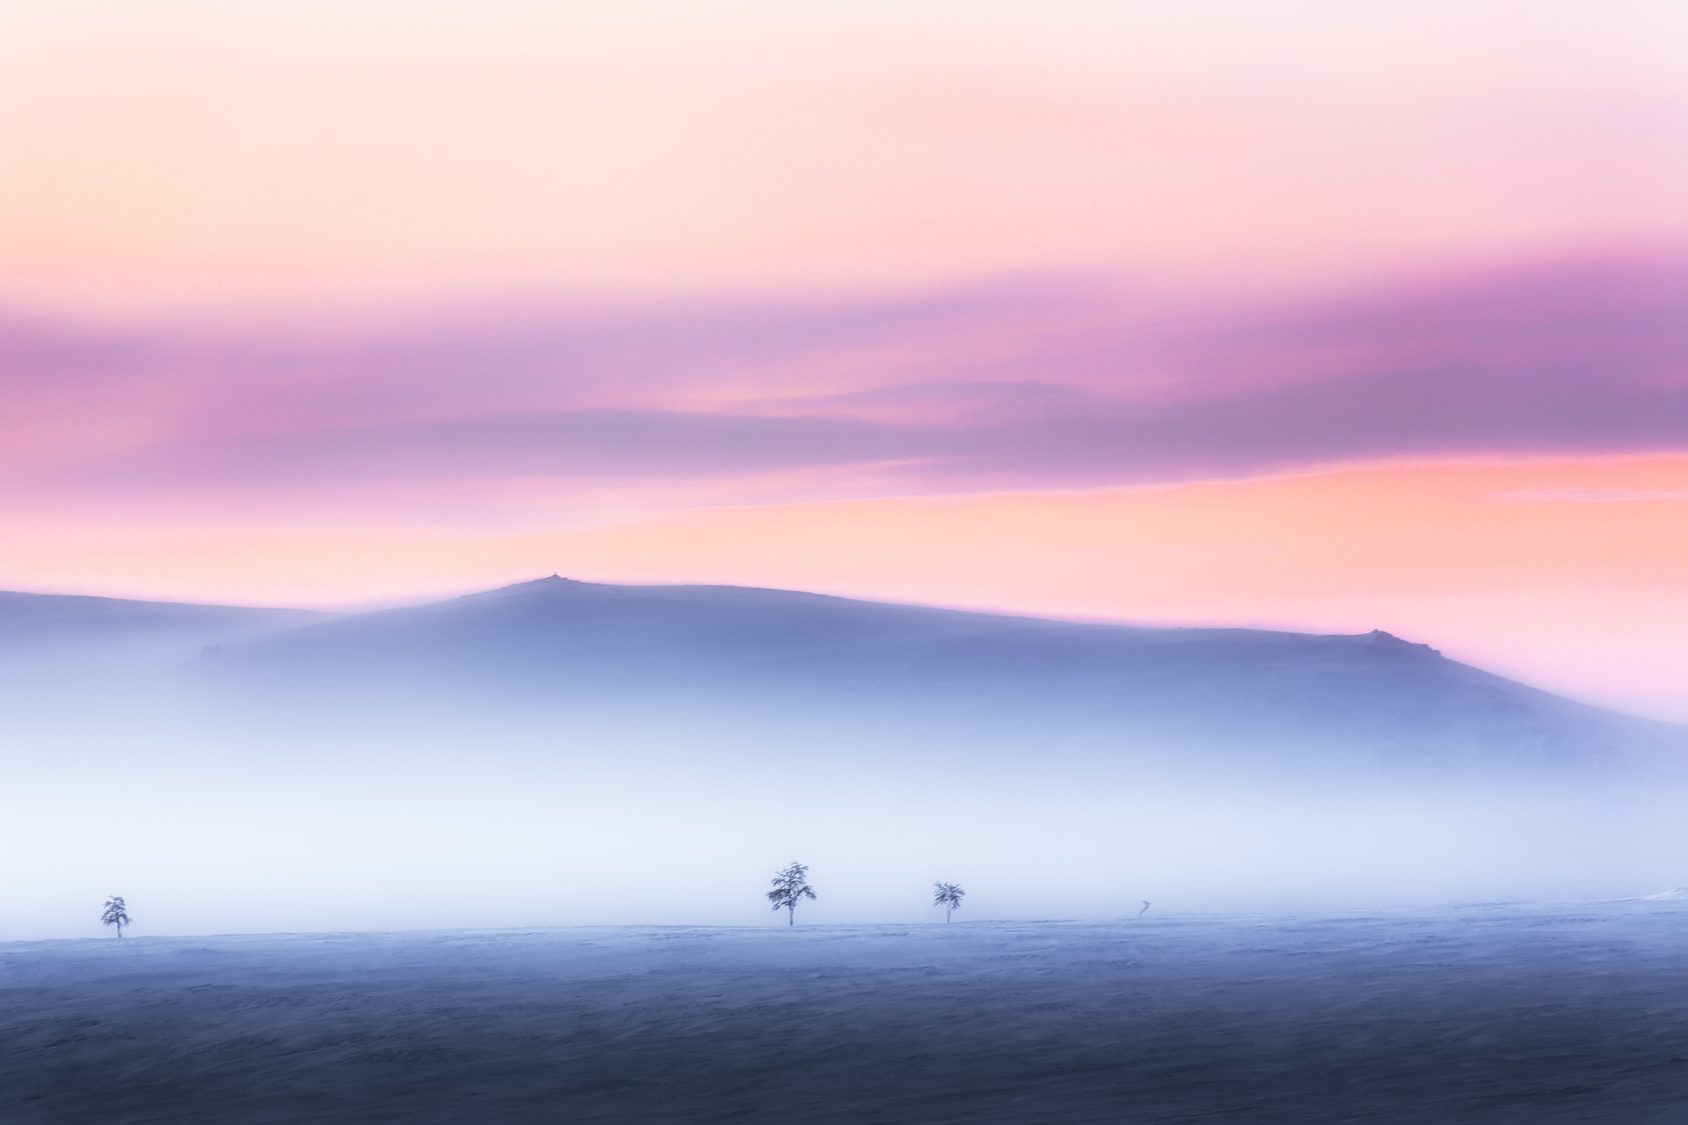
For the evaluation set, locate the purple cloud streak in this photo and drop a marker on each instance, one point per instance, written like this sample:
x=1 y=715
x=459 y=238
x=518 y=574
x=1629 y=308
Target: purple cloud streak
x=1036 y=383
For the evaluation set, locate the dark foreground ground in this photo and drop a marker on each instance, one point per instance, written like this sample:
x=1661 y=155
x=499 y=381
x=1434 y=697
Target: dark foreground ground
x=1477 y=1015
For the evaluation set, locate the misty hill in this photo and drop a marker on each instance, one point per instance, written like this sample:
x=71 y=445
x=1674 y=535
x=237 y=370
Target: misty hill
x=568 y=649
x=34 y=621
x=73 y=661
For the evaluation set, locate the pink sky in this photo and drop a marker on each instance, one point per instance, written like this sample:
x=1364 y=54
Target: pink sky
x=219 y=150
x=1325 y=315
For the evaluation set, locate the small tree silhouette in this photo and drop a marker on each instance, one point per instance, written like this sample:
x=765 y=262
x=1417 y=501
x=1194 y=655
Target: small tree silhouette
x=948 y=896
x=116 y=913
x=790 y=886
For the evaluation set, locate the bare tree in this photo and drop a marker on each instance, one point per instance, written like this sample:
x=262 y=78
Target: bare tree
x=948 y=896
x=790 y=886
x=116 y=913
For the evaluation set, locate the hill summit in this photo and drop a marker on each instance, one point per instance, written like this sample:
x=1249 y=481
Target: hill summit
x=557 y=646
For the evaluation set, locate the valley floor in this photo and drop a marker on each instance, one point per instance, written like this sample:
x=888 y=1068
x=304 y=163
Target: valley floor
x=1484 y=1014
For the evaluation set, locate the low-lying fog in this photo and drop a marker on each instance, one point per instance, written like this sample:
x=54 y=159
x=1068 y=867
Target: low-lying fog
x=505 y=827
x=219 y=812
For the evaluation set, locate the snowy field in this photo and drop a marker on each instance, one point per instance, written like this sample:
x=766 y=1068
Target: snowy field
x=1482 y=1014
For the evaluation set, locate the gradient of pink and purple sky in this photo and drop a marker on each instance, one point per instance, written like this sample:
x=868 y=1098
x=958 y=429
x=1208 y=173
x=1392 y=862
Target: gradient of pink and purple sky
x=1329 y=316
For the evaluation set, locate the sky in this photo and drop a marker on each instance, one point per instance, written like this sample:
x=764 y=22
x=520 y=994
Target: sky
x=1326 y=316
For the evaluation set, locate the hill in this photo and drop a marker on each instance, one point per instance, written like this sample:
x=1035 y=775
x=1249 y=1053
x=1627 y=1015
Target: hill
x=40 y=621
x=557 y=647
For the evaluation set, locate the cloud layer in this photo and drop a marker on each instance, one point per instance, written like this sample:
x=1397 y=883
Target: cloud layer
x=1038 y=383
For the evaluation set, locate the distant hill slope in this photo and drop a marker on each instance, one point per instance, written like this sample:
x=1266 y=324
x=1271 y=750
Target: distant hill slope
x=565 y=648
x=32 y=621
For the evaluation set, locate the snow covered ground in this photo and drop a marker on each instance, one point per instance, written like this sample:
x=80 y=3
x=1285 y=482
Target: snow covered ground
x=1479 y=1014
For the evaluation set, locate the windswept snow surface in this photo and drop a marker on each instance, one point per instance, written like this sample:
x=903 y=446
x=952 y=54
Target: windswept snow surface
x=1675 y=894
x=1532 y=1015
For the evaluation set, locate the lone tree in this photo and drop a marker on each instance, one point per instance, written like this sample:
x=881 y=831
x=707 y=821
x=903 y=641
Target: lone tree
x=948 y=896
x=790 y=886
x=116 y=913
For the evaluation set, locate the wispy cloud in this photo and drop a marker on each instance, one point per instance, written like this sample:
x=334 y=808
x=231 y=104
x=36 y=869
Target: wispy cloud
x=1040 y=383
